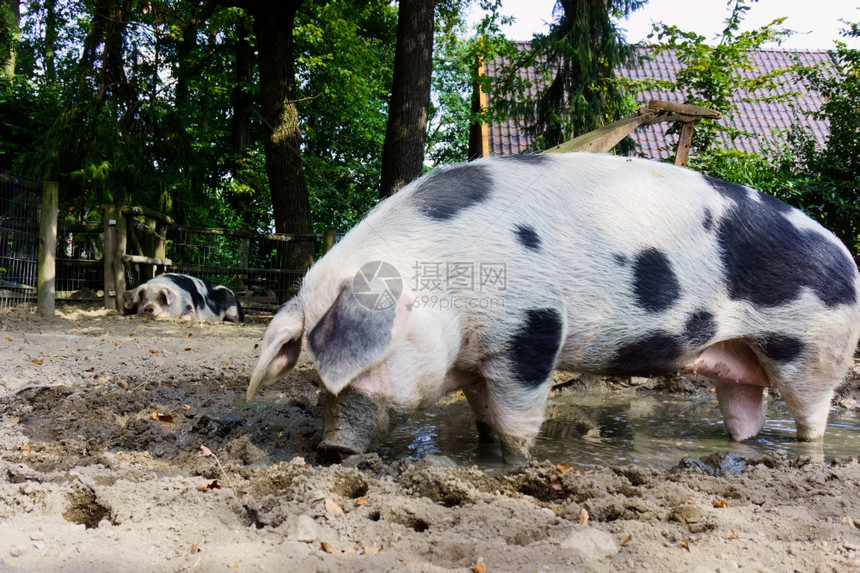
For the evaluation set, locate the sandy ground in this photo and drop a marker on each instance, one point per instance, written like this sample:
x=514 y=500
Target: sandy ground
x=102 y=419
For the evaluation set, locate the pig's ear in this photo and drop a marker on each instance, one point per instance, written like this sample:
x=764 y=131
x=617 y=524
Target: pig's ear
x=353 y=335
x=281 y=346
x=136 y=294
x=169 y=295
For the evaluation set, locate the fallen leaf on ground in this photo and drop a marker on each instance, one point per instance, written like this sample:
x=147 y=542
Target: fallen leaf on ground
x=479 y=567
x=25 y=448
x=207 y=485
x=194 y=549
x=327 y=547
x=155 y=351
x=583 y=517
x=627 y=540
x=722 y=503
x=159 y=417
x=361 y=500
x=14 y=420
x=187 y=348
x=332 y=507
x=37 y=362
x=371 y=549
x=564 y=468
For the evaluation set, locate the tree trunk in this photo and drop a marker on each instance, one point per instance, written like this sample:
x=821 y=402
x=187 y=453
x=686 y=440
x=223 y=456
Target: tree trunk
x=403 y=150
x=51 y=34
x=273 y=26
x=15 y=11
x=243 y=99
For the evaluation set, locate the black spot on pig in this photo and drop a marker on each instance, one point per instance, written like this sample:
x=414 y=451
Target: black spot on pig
x=648 y=356
x=780 y=348
x=741 y=195
x=768 y=260
x=535 y=346
x=708 y=220
x=217 y=298
x=528 y=237
x=620 y=259
x=528 y=158
x=654 y=282
x=444 y=193
x=187 y=284
x=700 y=328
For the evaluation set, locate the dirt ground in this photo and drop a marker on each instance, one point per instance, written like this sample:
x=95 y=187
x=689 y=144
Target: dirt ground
x=103 y=419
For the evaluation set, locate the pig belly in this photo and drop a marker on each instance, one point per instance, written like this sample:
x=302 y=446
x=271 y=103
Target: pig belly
x=741 y=381
x=731 y=362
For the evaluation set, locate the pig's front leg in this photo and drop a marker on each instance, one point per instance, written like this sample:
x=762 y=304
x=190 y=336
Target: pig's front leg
x=507 y=415
x=478 y=397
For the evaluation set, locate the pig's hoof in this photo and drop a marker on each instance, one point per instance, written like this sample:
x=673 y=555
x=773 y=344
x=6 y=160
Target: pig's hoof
x=334 y=452
x=515 y=451
x=487 y=434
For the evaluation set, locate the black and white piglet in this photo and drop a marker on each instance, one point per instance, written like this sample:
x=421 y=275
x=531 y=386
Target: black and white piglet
x=173 y=295
x=487 y=276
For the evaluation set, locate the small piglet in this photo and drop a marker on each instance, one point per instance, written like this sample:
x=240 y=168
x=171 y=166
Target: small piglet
x=173 y=295
x=487 y=276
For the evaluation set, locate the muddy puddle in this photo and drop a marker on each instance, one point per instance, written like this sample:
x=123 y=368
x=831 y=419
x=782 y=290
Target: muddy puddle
x=654 y=430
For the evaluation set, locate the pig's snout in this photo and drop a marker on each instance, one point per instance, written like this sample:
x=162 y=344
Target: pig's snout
x=352 y=422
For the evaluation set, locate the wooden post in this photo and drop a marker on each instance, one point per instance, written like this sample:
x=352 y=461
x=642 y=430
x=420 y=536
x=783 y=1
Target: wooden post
x=328 y=240
x=684 y=143
x=160 y=251
x=153 y=247
x=46 y=281
x=246 y=251
x=110 y=246
x=118 y=262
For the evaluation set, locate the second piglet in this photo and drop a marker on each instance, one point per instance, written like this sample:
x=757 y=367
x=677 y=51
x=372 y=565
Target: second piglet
x=487 y=276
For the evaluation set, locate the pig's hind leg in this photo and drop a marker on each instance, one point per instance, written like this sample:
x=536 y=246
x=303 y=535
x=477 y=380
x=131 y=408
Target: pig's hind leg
x=808 y=386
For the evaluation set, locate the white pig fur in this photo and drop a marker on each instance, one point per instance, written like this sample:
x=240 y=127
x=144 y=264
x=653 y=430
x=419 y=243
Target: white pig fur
x=633 y=256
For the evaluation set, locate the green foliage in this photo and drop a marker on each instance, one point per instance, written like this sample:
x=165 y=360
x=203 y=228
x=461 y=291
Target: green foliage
x=345 y=70
x=713 y=75
x=826 y=181
x=138 y=108
x=575 y=65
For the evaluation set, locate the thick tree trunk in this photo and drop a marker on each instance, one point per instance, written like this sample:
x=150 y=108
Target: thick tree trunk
x=9 y=65
x=243 y=99
x=273 y=26
x=403 y=150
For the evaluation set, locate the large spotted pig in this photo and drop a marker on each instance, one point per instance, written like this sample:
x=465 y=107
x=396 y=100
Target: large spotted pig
x=611 y=266
x=173 y=295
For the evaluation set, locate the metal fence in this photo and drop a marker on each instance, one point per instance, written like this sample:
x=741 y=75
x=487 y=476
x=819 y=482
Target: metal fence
x=253 y=265
x=250 y=264
x=80 y=265
x=20 y=203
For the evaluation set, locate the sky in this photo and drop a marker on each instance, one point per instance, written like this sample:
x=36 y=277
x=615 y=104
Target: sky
x=818 y=20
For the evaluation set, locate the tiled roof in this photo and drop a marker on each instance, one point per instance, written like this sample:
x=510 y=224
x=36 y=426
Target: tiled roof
x=759 y=118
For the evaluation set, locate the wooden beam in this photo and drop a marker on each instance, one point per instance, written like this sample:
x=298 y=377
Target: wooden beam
x=605 y=138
